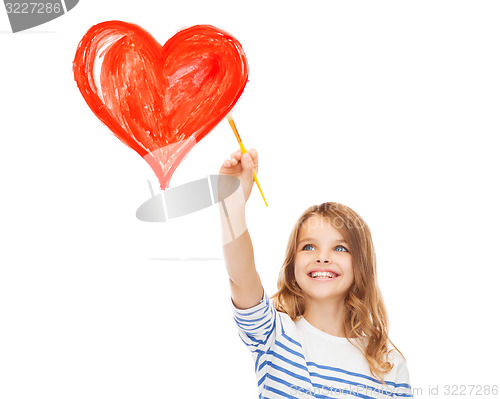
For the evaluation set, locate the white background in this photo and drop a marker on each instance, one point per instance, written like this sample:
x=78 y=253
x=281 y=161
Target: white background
x=389 y=107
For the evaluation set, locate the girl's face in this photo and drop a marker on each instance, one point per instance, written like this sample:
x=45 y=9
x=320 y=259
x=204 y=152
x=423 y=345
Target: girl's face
x=321 y=247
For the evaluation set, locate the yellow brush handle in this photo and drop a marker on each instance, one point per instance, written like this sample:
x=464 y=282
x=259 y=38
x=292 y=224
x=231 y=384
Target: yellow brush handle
x=231 y=122
x=258 y=185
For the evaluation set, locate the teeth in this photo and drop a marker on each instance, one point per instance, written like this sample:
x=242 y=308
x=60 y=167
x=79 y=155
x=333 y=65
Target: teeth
x=322 y=274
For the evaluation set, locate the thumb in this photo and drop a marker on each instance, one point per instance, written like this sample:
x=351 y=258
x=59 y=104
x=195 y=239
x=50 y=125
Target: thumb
x=247 y=164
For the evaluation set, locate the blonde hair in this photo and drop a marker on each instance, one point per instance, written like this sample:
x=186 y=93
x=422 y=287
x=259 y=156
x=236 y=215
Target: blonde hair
x=365 y=315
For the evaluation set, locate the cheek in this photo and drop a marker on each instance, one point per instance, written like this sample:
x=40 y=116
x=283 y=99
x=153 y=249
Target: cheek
x=298 y=269
x=300 y=261
x=351 y=277
x=349 y=270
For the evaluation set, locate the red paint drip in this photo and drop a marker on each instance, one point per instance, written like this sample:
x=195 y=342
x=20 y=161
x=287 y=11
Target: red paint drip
x=160 y=101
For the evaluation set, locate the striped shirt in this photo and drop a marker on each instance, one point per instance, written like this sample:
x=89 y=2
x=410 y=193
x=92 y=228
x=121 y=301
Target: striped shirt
x=294 y=359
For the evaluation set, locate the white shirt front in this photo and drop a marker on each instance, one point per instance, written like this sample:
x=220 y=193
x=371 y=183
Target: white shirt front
x=294 y=359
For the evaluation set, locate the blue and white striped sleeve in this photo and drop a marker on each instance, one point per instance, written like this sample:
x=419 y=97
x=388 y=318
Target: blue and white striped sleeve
x=256 y=325
x=403 y=387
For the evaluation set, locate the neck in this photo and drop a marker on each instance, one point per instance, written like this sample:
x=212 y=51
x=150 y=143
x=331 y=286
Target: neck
x=326 y=315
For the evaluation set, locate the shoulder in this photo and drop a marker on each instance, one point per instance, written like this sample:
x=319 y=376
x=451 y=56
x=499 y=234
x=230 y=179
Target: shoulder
x=394 y=357
x=400 y=368
x=285 y=319
x=285 y=323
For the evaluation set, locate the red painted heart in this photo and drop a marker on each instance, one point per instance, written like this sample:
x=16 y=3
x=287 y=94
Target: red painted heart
x=160 y=101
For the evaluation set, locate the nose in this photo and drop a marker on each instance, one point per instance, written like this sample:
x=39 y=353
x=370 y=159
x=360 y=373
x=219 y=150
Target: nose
x=322 y=259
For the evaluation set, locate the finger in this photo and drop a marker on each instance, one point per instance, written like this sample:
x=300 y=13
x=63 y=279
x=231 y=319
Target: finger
x=230 y=162
x=255 y=159
x=253 y=154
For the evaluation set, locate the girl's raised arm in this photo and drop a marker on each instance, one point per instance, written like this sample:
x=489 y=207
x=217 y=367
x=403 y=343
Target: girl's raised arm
x=246 y=287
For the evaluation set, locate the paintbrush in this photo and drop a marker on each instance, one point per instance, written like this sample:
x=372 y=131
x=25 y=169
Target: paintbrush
x=231 y=122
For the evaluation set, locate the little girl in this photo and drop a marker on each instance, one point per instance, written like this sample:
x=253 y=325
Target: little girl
x=326 y=333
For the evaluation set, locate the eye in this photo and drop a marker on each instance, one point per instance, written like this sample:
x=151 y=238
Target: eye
x=344 y=249
x=338 y=248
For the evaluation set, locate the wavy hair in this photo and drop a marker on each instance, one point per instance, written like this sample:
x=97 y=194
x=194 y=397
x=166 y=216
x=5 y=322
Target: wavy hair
x=365 y=315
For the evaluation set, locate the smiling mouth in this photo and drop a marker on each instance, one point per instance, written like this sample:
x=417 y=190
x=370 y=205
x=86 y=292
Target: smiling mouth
x=323 y=275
